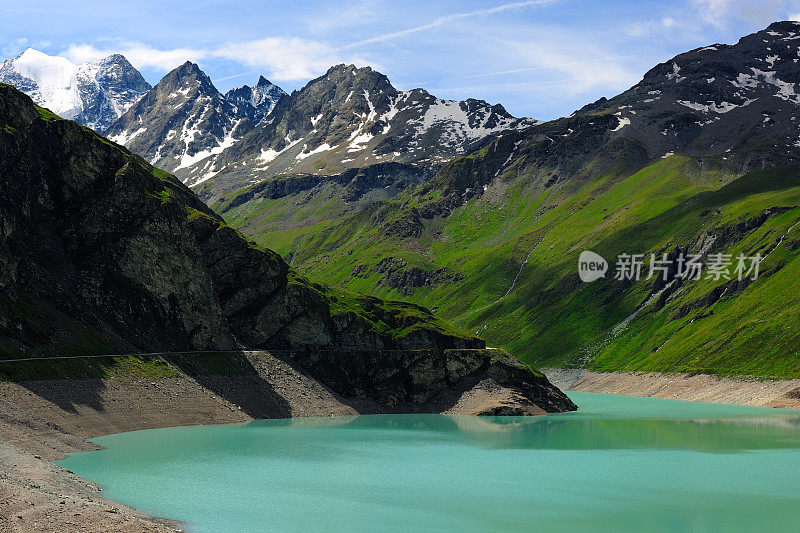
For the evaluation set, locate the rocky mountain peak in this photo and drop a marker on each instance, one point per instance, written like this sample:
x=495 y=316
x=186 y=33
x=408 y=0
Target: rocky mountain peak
x=183 y=121
x=116 y=58
x=189 y=75
x=93 y=93
x=188 y=68
x=121 y=84
x=255 y=102
x=117 y=67
x=351 y=78
x=716 y=98
x=783 y=25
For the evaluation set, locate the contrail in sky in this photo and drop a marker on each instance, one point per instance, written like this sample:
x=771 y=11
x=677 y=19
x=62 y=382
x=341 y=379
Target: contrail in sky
x=445 y=19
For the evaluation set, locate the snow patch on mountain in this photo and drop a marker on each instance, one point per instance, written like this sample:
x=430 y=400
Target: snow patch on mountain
x=187 y=160
x=54 y=81
x=319 y=149
x=623 y=121
x=713 y=107
x=92 y=93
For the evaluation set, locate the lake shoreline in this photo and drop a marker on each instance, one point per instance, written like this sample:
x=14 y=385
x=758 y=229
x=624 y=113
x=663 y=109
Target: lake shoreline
x=43 y=420
x=39 y=425
x=778 y=393
x=673 y=466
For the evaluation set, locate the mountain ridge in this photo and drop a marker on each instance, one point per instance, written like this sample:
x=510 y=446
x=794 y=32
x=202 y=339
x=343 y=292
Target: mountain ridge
x=125 y=259
x=342 y=117
x=353 y=117
x=94 y=93
x=700 y=157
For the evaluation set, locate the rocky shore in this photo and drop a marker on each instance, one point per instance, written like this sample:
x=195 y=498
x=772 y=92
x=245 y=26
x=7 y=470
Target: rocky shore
x=782 y=393
x=44 y=419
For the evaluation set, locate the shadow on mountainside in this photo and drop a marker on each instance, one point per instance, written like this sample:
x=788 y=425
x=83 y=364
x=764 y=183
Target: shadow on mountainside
x=232 y=376
x=69 y=393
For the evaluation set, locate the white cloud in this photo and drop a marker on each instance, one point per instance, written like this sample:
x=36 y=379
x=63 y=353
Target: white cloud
x=338 y=15
x=558 y=66
x=713 y=12
x=140 y=55
x=287 y=59
x=14 y=47
x=283 y=58
x=514 y=87
x=705 y=19
x=582 y=64
x=646 y=28
x=719 y=13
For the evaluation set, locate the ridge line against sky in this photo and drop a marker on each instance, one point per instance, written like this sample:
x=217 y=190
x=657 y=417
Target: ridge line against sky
x=540 y=58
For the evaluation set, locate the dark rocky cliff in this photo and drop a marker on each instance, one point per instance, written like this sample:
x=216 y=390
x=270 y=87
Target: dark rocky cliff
x=87 y=224
x=100 y=252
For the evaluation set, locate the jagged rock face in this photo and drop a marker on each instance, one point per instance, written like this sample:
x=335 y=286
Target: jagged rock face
x=94 y=94
x=125 y=257
x=255 y=102
x=102 y=253
x=353 y=117
x=358 y=186
x=182 y=123
x=417 y=376
x=719 y=98
x=734 y=104
x=108 y=270
x=109 y=87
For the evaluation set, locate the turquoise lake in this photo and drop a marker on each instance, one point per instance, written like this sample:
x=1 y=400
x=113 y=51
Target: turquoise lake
x=618 y=464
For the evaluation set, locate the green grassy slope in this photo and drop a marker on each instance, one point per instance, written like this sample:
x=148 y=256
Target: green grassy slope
x=280 y=222
x=517 y=245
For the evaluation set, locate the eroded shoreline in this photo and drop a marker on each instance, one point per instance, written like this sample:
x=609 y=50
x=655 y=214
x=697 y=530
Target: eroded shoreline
x=43 y=420
x=782 y=393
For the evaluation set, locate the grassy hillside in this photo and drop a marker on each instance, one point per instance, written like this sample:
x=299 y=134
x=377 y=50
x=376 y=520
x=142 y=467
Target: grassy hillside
x=510 y=262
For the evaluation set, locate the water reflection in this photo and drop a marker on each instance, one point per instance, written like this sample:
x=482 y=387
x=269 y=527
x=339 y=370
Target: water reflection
x=619 y=464
x=648 y=424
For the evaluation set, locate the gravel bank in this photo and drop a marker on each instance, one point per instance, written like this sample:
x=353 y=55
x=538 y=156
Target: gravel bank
x=783 y=393
x=43 y=420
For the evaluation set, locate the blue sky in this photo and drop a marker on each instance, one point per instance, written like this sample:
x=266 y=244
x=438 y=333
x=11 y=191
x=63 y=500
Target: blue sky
x=539 y=58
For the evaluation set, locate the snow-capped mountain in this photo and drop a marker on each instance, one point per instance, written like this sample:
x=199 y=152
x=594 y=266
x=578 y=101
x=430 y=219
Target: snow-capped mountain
x=256 y=102
x=353 y=118
x=732 y=108
x=182 y=123
x=348 y=118
x=94 y=93
x=717 y=98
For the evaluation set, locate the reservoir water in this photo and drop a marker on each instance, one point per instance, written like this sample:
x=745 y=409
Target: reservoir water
x=618 y=464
